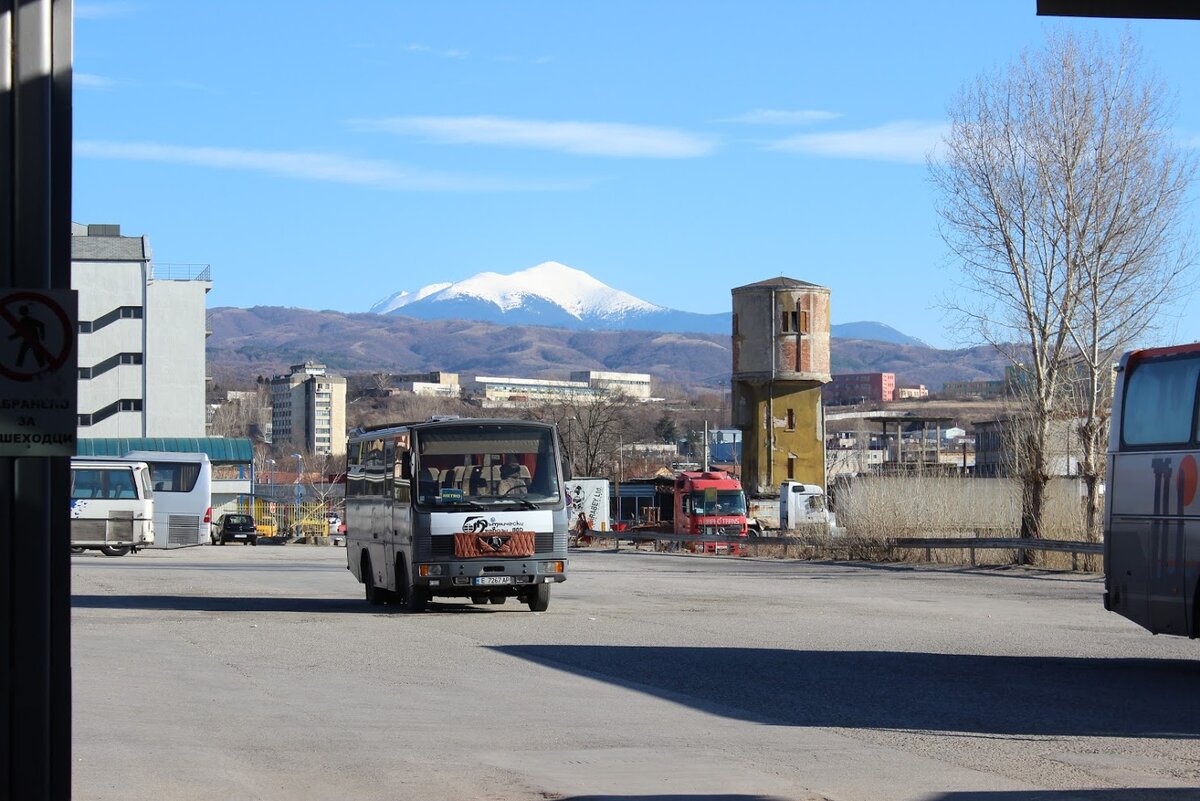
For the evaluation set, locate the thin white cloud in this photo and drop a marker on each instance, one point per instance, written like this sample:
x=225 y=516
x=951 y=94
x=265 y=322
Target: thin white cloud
x=325 y=167
x=86 y=79
x=769 y=116
x=903 y=141
x=417 y=47
x=102 y=10
x=617 y=140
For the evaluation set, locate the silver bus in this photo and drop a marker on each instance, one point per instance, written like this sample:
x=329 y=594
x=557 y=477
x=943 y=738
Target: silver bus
x=456 y=507
x=1151 y=509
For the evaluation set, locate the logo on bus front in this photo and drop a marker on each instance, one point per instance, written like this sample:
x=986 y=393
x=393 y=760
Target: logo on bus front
x=477 y=525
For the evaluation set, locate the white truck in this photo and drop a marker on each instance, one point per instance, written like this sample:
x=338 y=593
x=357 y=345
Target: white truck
x=587 y=506
x=802 y=505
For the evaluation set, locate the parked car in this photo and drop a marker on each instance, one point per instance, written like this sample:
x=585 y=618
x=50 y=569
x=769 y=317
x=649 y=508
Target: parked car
x=236 y=528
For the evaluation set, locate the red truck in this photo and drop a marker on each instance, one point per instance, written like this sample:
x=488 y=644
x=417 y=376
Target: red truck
x=710 y=502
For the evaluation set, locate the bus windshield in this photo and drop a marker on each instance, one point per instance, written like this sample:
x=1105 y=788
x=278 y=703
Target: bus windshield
x=484 y=465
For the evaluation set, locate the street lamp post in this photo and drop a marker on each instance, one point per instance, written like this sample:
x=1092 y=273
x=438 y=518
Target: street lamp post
x=296 y=517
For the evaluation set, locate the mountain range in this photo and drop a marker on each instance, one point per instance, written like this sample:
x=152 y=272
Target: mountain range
x=556 y=295
x=265 y=340
x=543 y=322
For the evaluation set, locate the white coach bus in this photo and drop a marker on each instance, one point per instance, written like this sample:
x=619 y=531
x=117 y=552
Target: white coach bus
x=182 y=484
x=461 y=508
x=112 y=506
x=1151 y=504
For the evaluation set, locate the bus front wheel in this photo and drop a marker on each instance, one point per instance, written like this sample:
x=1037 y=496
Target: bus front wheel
x=373 y=594
x=539 y=598
x=412 y=598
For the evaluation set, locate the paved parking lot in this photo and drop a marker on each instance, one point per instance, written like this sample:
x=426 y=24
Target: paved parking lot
x=259 y=673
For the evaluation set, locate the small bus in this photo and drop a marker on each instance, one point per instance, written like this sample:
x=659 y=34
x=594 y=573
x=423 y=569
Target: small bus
x=112 y=506
x=182 y=484
x=1151 y=508
x=464 y=508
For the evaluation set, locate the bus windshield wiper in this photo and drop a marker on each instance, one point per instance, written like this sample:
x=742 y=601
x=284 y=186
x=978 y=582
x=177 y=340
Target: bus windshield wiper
x=524 y=504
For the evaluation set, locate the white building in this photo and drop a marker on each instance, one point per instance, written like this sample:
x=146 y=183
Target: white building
x=308 y=410
x=633 y=385
x=434 y=384
x=491 y=391
x=141 y=338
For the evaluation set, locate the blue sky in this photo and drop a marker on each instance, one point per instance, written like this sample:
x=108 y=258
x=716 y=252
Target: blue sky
x=325 y=155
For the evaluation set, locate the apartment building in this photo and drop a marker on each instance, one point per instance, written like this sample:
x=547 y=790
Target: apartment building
x=141 y=338
x=308 y=410
x=859 y=388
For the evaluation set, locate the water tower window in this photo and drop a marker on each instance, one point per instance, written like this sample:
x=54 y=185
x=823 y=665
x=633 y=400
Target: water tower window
x=803 y=322
x=791 y=467
x=790 y=322
x=791 y=419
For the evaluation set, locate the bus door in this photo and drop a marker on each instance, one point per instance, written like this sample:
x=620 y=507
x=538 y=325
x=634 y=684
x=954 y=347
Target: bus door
x=399 y=539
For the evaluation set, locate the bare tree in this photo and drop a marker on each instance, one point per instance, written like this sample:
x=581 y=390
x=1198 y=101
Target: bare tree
x=1061 y=196
x=591 y=430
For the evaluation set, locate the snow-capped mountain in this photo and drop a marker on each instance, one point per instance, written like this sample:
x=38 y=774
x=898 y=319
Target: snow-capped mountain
x=549 y=294
x=554 y=294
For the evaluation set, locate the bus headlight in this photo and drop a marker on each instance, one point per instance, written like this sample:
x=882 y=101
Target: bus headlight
x=550 y=567
x=429 y=570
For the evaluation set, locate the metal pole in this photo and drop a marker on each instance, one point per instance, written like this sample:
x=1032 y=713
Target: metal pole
x=296 y=517
x=35 y=677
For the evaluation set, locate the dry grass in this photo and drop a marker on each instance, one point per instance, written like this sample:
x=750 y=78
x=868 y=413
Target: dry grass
x=880 y=507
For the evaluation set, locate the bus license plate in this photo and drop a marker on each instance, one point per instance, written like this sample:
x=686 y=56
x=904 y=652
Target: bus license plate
x=493 y=579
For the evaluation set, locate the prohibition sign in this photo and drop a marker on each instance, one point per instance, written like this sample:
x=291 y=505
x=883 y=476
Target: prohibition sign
x=36 y=348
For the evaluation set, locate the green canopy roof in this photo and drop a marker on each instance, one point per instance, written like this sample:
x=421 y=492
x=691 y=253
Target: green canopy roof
x=220 y=450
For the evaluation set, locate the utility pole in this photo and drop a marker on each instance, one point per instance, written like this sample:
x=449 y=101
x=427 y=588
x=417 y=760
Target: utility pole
x=37 y=308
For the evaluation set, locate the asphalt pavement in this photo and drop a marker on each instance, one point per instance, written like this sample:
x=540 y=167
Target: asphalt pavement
x=261 y=673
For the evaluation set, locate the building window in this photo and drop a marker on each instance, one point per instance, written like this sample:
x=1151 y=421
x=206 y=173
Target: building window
x=791 y=467
x=791 y=419
x=803 y=322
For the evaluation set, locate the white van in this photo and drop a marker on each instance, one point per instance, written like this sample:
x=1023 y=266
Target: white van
x=112 y=506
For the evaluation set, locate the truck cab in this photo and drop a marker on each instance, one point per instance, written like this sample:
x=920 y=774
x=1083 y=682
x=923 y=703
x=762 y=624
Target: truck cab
x=803 y=505
x=710 y=502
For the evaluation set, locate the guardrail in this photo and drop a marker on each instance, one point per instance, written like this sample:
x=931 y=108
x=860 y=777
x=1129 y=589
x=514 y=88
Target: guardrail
x=928 y=544
x=1019 y=544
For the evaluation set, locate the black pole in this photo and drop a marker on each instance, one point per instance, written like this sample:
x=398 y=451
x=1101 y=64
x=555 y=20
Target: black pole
x=35 y=257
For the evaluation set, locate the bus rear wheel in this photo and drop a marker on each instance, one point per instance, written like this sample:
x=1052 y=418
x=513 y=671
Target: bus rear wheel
x=539 y=598
x=115 y=550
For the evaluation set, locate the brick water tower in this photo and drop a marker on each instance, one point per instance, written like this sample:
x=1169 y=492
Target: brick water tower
x=780 y=362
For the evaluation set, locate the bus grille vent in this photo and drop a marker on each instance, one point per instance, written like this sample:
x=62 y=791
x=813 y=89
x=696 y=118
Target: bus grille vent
x=183 y=530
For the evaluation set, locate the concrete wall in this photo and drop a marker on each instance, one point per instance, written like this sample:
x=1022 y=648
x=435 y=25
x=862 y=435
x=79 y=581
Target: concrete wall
x=175 y=360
